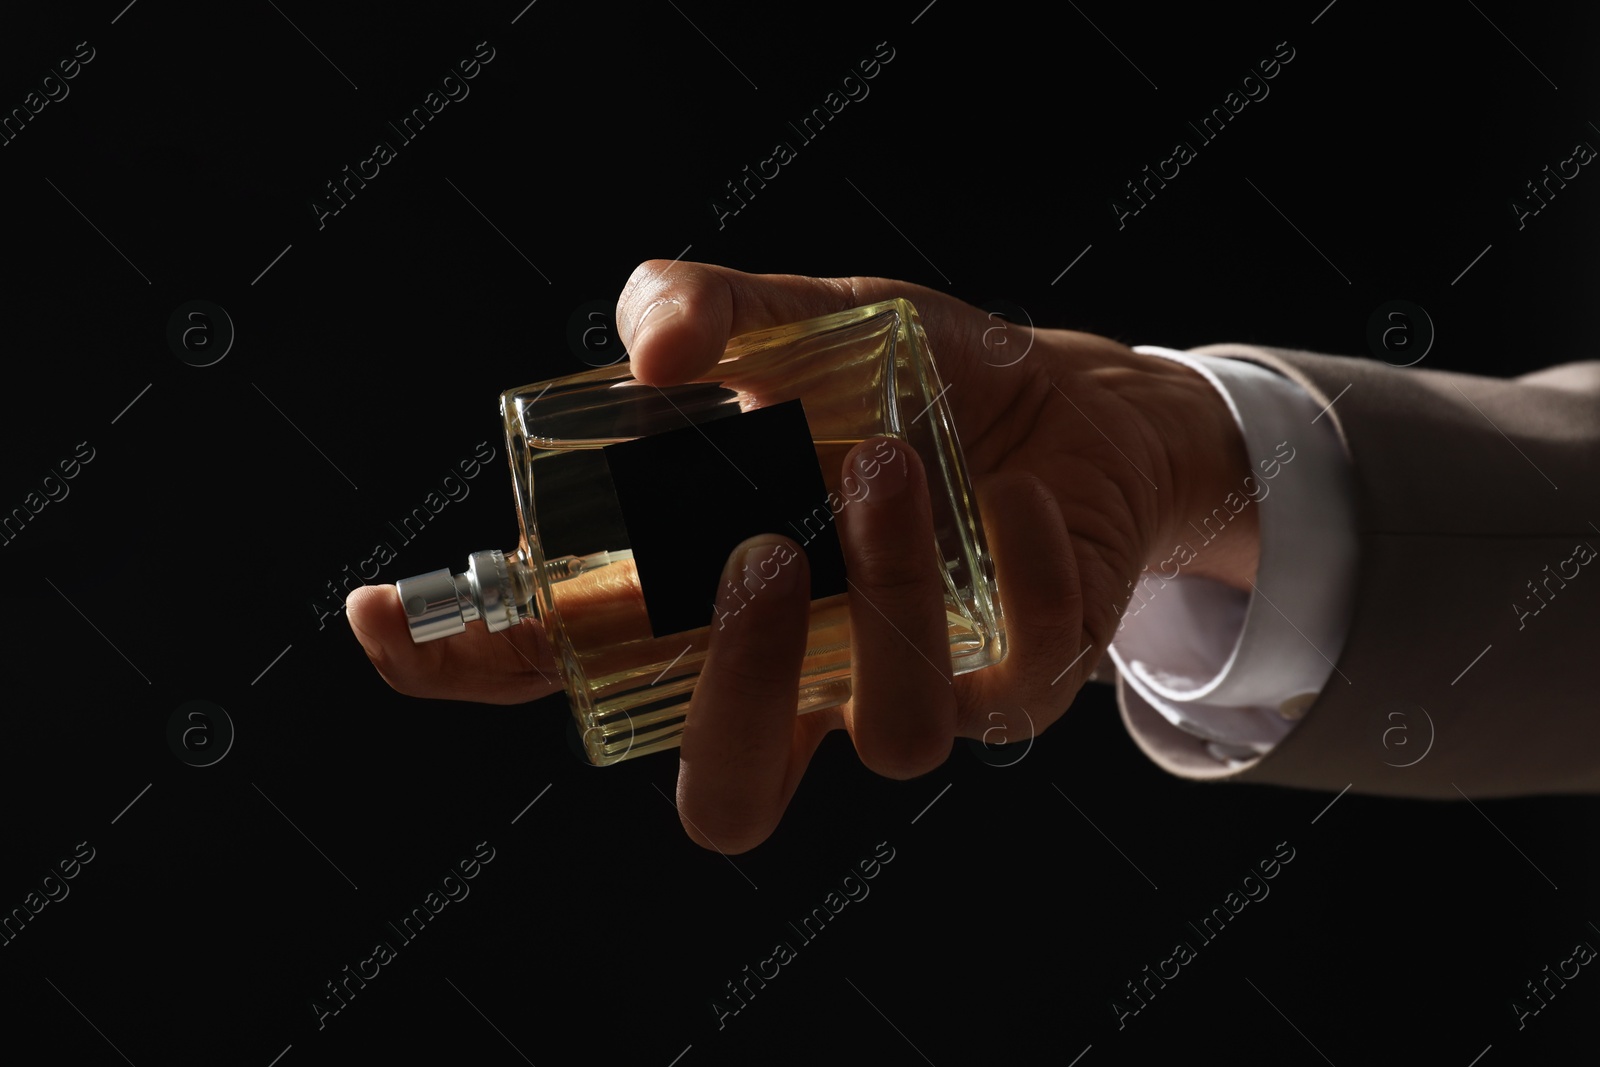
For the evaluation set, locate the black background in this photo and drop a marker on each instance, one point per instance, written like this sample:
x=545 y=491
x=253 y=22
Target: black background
x=185 y=561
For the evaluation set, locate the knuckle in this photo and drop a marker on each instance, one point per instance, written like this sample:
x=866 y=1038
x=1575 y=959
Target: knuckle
x=895 y=573
x=1043 y=638
x=753 y=676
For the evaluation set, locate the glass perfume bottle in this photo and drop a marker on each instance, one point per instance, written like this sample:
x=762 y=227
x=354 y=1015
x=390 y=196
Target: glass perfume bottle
x=631 y=497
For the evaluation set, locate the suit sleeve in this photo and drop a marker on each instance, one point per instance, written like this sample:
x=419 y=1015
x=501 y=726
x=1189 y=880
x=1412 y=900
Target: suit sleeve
x=1466 y=668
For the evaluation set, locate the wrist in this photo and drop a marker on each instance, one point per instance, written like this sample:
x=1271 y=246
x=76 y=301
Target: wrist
x=1207 y=524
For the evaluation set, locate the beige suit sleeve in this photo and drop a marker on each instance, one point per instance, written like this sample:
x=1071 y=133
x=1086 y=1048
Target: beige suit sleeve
x=1472 y=663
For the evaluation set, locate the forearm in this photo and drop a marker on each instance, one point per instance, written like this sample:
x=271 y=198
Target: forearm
x=1473 y=602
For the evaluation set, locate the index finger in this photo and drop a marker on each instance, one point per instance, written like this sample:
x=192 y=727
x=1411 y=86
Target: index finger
x=510 y=667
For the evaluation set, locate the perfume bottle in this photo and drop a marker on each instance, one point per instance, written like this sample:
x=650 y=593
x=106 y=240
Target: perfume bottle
x=631 y=497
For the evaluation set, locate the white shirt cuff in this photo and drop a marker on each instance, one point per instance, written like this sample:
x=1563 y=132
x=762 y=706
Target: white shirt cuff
x=1239 y=669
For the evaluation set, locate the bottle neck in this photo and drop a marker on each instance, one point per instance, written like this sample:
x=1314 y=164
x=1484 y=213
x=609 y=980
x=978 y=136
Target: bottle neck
x=495 y=588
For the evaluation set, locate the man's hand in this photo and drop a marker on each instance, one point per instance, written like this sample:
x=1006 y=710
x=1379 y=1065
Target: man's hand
x=1087 y=459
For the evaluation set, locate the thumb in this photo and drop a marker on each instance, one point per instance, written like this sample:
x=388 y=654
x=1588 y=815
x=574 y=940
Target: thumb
x=676 y=318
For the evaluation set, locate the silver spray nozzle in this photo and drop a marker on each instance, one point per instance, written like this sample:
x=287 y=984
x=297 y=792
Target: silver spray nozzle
x=440 y=604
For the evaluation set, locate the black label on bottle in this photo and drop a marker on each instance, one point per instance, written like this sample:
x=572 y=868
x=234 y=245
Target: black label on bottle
x=689 y=496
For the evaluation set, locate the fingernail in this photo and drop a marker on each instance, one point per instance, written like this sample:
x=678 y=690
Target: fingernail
x=881 y=467
x=763 y=565
x=656 y=315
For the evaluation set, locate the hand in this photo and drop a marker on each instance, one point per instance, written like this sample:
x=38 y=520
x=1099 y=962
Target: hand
x=1087 y=459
